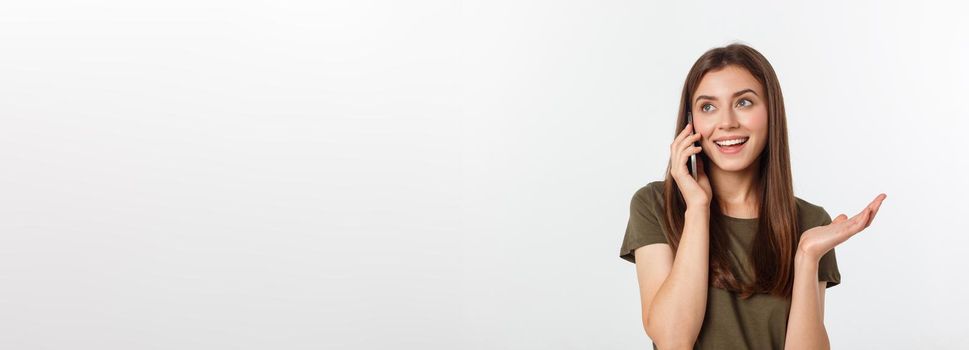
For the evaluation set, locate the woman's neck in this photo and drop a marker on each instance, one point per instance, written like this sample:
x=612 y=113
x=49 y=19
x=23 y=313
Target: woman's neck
x=736 y=191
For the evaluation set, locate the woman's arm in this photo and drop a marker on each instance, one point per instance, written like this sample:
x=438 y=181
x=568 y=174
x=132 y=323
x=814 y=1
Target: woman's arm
x=805 y=324
x=674 y=289
x=673 y=315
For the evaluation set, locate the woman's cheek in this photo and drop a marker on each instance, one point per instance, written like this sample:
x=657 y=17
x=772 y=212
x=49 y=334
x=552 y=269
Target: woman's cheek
x=760 y=119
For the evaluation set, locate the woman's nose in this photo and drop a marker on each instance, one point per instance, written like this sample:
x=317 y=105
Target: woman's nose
x=729 y=120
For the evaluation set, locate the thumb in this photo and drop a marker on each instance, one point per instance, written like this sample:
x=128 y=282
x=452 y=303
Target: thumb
x=839 y=218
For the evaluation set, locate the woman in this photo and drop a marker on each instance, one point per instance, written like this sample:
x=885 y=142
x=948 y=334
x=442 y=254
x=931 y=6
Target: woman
x=732 y=259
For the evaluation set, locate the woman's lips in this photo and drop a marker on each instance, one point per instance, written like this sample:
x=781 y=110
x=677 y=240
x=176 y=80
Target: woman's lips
x=734 y=149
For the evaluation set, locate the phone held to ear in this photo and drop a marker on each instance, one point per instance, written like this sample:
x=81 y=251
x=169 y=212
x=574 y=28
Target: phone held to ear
x=691 y=166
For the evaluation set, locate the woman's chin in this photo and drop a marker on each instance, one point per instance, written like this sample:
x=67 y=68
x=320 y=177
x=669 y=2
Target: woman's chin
x=732 y=165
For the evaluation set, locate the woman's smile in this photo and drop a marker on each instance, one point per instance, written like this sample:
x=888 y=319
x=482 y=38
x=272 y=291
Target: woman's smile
x=731 y=148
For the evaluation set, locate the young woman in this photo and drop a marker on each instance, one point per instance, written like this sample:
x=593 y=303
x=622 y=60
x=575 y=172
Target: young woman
x=732 y=259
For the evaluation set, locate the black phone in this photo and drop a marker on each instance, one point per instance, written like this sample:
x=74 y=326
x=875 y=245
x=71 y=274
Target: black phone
x=691 y=164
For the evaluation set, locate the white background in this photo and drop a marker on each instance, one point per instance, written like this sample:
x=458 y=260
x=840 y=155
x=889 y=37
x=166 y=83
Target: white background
x=440 y=175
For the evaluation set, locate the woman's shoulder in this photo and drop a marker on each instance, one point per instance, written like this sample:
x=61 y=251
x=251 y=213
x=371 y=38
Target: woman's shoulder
x=651 y=192
x=649 y=198
x=811 y=214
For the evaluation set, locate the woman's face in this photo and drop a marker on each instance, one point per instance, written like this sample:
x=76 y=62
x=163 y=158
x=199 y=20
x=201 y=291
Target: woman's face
x=730 y=102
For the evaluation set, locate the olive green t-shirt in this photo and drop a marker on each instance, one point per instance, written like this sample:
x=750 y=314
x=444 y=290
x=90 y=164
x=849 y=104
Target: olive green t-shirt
x=730 y=322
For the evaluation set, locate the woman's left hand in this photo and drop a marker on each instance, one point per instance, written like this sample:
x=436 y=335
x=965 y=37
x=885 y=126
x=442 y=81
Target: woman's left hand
x=819 y=240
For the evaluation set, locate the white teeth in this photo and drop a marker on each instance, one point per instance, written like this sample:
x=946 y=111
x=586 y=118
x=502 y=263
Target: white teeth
x=730 y=142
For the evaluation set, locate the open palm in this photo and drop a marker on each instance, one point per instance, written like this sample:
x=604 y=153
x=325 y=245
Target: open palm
x=817 y=241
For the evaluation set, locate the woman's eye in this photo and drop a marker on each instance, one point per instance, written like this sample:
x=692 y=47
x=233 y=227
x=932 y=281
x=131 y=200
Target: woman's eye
x=704 y=107
x=742 y=104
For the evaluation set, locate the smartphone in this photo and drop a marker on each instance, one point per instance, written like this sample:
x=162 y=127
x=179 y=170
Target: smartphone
x=691 y=166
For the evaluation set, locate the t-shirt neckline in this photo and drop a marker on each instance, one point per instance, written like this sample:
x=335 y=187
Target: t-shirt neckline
x=740 y=219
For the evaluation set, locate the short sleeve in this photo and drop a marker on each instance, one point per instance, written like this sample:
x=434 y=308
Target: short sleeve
x=644 y=226
x=828 y=265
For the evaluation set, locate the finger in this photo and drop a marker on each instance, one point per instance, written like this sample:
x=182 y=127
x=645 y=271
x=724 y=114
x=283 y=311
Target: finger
x=879 y=205
x=871 y=208
x=854 y=224
x=862 y=221
x=688 y=141
x=676 y=165
x=679 y=166
x=874 y=202
x=874 y=210
x=858 y=216
x=867 y=218
x=879 y=198
x=839 y=219
x=683 y=133
x=842 y=224
x=687 y=152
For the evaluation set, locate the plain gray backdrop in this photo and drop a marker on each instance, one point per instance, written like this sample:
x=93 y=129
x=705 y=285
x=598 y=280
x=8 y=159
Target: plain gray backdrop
x=441 y=174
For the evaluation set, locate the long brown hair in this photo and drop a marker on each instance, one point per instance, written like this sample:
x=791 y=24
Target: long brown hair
x=772 y=255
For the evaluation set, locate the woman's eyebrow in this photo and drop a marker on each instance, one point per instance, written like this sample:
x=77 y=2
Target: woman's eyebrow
x=738 y=93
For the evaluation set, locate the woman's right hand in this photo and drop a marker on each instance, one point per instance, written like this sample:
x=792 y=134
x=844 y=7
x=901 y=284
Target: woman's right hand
x=696 y=192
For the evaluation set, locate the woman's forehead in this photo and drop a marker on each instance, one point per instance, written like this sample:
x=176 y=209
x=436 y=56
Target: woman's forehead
x=726 y=81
